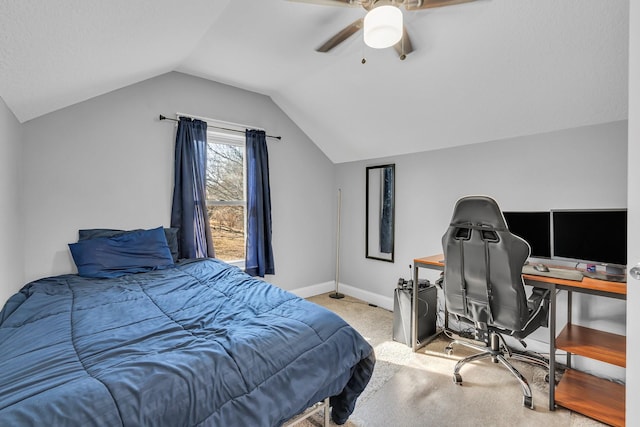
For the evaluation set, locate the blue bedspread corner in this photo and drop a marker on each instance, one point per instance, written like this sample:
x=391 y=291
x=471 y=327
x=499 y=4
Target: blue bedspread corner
x=344 y=403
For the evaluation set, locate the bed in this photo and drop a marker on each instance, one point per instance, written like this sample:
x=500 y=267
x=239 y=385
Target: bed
x=197 y=344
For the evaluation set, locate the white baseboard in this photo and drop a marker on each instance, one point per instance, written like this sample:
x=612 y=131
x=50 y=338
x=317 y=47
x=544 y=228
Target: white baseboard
x=376 y=299
x=313 y=290
x=322 y=288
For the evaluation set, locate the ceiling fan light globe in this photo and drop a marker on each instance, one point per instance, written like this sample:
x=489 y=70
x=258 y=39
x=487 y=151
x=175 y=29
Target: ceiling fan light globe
x=383 y=27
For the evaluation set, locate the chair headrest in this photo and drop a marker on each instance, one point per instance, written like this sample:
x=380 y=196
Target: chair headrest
x=478 y=210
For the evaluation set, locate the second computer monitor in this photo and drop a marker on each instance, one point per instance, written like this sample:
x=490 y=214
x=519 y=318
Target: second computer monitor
x=597 y=236
x=534 y=227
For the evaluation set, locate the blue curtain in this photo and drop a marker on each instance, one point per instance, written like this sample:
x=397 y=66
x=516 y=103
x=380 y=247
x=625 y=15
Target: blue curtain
x=386 y=214
x=189 y=209
x=259 y=258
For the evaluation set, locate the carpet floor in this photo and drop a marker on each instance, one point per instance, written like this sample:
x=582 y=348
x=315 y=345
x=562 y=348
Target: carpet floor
x=415 y=389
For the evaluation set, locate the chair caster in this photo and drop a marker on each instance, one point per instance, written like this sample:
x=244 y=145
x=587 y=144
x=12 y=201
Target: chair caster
x=457 y=379
x=448 y=349
x=546 y=379
x=527 y=401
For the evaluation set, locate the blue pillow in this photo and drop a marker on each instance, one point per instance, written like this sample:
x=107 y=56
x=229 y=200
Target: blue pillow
x=131 y=252
x=170 y=233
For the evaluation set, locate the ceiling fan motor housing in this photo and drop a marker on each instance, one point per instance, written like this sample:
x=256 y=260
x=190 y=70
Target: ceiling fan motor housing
x=383 y=26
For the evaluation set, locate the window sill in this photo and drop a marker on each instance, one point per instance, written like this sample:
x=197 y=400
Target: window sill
x=239 y=263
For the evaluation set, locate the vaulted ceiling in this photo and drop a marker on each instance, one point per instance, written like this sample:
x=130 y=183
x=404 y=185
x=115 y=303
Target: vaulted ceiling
x=481 y=71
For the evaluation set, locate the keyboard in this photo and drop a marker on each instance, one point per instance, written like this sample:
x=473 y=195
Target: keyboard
x=556 y=273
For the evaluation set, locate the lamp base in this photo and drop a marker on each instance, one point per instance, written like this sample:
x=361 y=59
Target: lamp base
x=336 y=295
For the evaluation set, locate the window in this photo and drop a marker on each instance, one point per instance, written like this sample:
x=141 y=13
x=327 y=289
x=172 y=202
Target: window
x=226 y=194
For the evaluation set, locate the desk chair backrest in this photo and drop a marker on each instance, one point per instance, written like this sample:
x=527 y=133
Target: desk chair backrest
x=483 y=266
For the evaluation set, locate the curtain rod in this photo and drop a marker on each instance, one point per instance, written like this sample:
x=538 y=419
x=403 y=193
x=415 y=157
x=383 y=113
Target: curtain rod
x=218 y=127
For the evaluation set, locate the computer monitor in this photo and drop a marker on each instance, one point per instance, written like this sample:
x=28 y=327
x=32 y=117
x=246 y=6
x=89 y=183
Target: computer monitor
x=596 y=236
x=534 y=227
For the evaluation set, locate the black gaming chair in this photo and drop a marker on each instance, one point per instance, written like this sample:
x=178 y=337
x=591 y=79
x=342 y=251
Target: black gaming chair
x=483 y=284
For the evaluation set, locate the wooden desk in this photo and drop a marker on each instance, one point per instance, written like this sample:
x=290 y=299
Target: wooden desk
x=594 y=397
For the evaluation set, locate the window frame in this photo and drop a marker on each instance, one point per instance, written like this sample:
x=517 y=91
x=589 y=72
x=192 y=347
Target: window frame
x=239 y=140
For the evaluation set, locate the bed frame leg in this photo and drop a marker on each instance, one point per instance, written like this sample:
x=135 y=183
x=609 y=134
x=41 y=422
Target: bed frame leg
x=326 y=412
x=324 y=406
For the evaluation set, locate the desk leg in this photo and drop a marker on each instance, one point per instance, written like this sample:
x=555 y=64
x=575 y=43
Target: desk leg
x=552 y=349
x=414 y=311
x=569 y=311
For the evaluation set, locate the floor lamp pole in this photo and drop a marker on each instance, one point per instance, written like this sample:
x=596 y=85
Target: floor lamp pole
x=336 y=294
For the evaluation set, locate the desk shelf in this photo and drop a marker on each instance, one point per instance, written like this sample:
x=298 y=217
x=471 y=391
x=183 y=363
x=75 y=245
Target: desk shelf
x=595 y=397
x=594 y=344
x=592 y=396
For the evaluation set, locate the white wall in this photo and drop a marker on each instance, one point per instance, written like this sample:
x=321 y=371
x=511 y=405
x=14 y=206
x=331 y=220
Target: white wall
x=633 y=289
x=108 y=162
x=575 y=168
x=11 y=253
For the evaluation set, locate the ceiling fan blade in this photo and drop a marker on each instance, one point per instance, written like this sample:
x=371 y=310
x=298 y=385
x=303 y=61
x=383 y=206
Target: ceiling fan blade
x=404 y=46
x=428 y=4
x=347 y=3
x=341 y=36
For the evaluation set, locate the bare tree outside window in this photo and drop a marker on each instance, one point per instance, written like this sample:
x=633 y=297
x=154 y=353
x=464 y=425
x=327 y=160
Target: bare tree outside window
x=226 y=197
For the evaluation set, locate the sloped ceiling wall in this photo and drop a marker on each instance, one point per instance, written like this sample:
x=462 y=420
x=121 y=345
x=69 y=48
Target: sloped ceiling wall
x=481 y=71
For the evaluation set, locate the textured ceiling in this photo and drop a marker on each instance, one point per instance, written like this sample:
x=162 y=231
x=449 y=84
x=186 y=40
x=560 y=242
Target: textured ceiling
x=57 y=53
x=481 y=71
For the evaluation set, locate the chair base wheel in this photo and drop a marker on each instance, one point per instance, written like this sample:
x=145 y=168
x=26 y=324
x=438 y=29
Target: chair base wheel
x=457 y=379
x=546 y=379
x=448 y=350
x=527 y=401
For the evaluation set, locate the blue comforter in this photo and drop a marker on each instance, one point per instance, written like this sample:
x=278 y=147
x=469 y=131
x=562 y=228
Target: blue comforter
x=199 y=344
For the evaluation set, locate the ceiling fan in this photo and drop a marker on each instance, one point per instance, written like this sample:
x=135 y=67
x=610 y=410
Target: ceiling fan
x=403 y=46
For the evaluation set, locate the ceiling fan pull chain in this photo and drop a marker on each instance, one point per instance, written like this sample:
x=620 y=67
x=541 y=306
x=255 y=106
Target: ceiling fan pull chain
x=364 y=60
